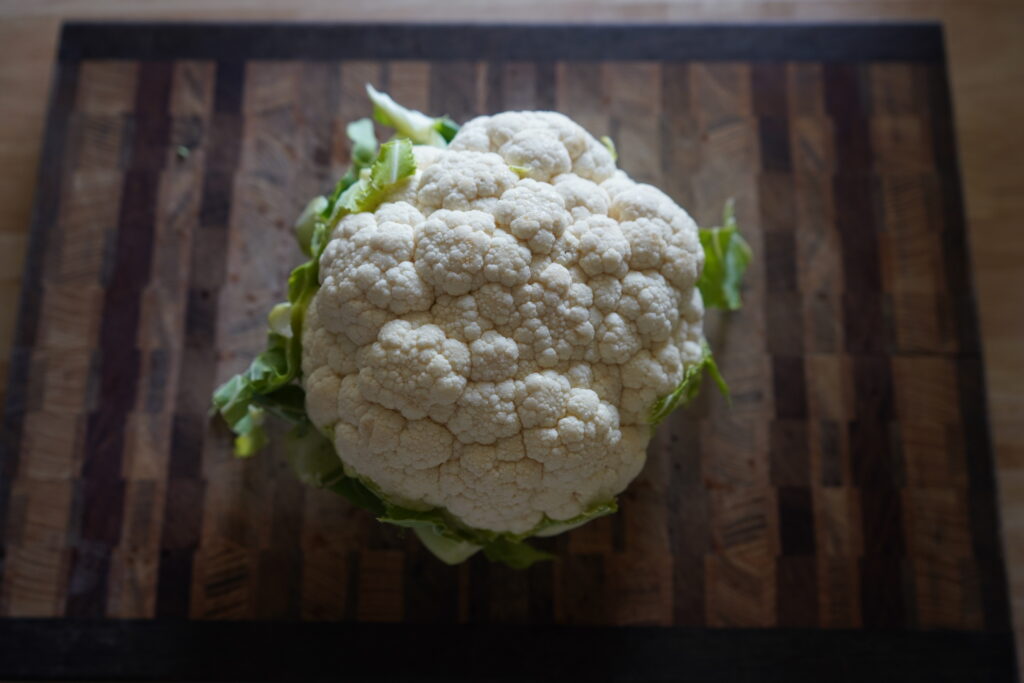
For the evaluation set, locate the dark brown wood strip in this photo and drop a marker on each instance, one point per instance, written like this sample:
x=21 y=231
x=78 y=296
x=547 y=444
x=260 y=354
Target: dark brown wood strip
x=634 y=116
x=579 y=95
x=545 y=85
x=453 y=90
x=875 y=466
x=185 y=488
x=796 y=521
x=518 y=84
x=789 y=454
x=680 y=138
x=102 y=489
x=689 y=516
x=494 y=87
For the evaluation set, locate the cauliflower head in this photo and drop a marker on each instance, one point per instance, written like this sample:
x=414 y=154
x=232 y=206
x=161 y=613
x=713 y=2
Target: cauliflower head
x=491 y=339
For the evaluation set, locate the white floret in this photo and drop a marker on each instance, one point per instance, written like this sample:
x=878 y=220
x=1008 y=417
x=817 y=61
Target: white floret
x=414 y=369
x=462 y=181
x=451 y=249
x=583 y=198
x=533 y=212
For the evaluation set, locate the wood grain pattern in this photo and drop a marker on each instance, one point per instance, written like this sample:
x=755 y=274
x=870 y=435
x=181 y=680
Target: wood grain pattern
x=985 y=66
x=840 y=489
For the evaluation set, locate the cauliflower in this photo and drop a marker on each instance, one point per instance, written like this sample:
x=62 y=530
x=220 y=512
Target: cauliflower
x=486 y=331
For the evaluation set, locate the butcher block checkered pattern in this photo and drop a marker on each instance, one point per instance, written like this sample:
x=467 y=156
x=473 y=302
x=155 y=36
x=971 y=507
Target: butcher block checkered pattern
x=847 y=485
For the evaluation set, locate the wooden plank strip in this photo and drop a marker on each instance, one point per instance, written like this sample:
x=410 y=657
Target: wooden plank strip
x=634 y=116
x=796 y=590
x=54 y=427
x=102 y=489
x=151 y=428
x=578 y=95
x=36 y=546
x=835 y=502
x=381 y=593
x=453 y=90
x=278 y=590
x=740 y=572
x=44 y=219
x=867 y=332
x=680 y=137
x=183 y=507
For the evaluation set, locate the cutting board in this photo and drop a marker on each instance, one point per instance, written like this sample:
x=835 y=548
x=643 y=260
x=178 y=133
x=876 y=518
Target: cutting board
x=843 y=503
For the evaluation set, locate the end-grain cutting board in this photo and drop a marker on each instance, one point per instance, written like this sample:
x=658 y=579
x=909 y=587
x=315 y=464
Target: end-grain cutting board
x=847 y=492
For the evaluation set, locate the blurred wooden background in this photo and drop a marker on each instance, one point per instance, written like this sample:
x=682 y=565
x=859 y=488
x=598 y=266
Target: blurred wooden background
x=986 y=65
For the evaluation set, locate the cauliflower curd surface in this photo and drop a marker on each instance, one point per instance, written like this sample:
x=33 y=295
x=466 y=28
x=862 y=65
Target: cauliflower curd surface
x=490 y=340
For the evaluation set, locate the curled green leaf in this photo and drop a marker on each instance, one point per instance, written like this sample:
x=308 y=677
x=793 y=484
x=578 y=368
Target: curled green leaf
x=312 y=456
x=394 y=164
x=689 y=386
x=515 y=554
x=280 y=319
x=726 y=256
x=364 y=151
x=550 y=527
x=409 y=123
x=448 y=550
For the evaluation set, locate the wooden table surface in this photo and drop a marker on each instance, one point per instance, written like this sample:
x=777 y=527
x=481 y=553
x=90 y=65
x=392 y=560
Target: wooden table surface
x=986 y=63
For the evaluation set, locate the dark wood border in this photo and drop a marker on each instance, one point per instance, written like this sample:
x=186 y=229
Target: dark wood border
x=166 y=649
x=815 y=42
x=257 y=651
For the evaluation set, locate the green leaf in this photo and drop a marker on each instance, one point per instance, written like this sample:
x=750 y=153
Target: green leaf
x=359 y=495
x=446 y=127
x=280 y=319
x=394 y=164
x=520 y=171
x=306 y=223
x=364 y=142
x=689 y=386
x=312 y=456
x=409 y=123
x=251 y=435
x=550 y=527
x=726 y=256
x=448 y=550
x=610 y=146
x=515 y=554
x=287 y=403
x=364 y=151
